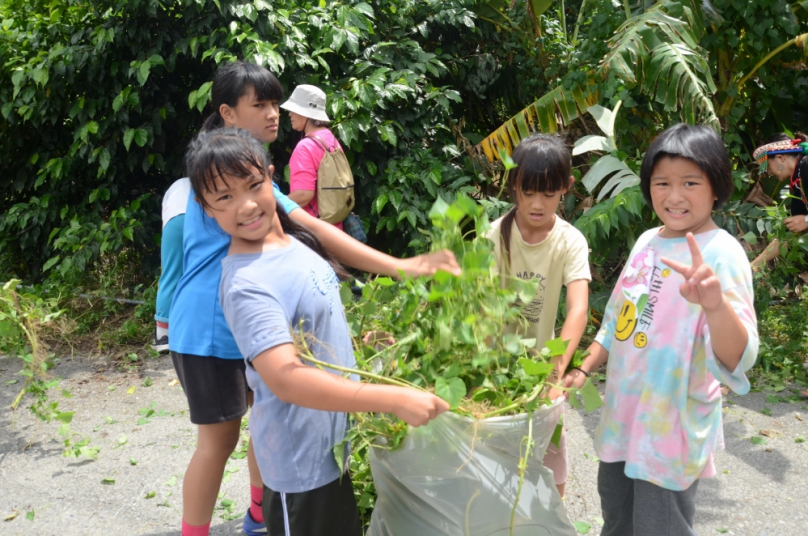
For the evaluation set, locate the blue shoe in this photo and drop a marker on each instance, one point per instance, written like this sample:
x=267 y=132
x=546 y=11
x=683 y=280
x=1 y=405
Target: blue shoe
x=252 y=527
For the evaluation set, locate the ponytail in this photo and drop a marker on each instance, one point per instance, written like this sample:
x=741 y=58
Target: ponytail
x=212 y=122
x=505 y=237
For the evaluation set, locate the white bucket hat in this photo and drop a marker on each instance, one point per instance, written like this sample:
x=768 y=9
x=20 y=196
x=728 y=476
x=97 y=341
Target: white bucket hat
x=308 y=101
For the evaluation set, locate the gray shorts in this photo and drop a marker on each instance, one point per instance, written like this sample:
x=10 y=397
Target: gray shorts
x=633 y=507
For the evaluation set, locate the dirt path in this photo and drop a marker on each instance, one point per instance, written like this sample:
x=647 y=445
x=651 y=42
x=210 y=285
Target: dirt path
x=146 y=441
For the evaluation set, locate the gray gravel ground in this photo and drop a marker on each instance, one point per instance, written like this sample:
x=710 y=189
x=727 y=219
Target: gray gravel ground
x=761 y=489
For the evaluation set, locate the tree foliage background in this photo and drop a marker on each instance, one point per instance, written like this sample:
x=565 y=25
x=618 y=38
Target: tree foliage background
x=99 y=99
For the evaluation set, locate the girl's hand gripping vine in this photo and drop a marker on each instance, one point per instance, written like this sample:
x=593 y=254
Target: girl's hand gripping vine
x=574 y=379
x=429 y=263
x=417 y=408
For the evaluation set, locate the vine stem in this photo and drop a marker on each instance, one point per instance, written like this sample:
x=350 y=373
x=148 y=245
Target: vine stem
x=468 y=512
x=766 y=58
x=627 y=9
x=17 y=400
x=382 y=379
x=32 y=340
x=528 y=442
x=523 y=400
x=578 y=22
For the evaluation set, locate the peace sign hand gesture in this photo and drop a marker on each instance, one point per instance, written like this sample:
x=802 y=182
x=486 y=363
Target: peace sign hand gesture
x=701 y=285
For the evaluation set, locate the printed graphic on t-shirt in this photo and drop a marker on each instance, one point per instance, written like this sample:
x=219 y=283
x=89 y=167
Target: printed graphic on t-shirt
x=532 y=311
x=325 y=282
x=641 y=284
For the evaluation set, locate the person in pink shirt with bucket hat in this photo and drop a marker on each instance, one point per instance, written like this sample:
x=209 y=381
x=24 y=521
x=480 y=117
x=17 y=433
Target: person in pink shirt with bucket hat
x=306 y=109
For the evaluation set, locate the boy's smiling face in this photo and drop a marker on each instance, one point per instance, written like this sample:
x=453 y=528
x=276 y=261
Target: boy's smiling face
x=682 y=197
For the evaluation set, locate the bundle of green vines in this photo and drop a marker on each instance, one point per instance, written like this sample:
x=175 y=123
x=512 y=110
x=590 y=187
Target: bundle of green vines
x=449 y=333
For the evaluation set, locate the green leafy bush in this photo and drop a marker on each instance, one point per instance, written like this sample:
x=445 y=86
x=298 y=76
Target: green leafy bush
x=99 y=99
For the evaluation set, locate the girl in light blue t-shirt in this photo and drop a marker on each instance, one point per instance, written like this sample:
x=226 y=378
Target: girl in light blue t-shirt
x=208 y=362
x=278 y=283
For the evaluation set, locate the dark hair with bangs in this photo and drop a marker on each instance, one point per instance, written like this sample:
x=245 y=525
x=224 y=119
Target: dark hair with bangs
x=701 y=145
x=233 y=152
x=543 y=165
x=232 y=81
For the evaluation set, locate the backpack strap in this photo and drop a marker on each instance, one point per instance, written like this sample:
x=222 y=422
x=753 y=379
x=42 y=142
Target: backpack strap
x=321 y=143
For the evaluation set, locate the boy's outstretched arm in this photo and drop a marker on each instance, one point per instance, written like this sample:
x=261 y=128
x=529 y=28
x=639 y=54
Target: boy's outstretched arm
x=573 y=328
x=357 y=255
x=701 y=286
x=295 y=383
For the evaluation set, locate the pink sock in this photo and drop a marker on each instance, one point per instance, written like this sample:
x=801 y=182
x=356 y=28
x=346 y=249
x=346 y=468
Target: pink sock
x=202 y=530
x=256 y=500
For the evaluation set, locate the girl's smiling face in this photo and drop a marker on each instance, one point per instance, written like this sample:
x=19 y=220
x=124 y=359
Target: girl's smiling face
x=682 y=197
x=245 y=209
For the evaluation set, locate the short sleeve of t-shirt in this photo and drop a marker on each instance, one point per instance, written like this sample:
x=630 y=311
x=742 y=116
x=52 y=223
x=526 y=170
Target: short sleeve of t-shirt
x=257 y=319
x=303 y=165
x=577 y=265
x=287 y=204
x=175 y=200
x=735 y=275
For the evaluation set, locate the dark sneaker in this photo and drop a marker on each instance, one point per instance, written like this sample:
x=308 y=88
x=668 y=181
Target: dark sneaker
x=160 y=345
x=252 y=527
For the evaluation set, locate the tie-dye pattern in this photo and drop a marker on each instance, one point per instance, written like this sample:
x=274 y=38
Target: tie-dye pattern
x=663 y=399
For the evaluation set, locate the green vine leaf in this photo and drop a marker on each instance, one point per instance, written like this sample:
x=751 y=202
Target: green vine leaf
x=452 y=391
x=591 y=396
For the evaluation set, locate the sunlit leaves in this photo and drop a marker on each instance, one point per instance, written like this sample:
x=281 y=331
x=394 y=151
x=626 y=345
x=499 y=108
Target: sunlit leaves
x=658 y=51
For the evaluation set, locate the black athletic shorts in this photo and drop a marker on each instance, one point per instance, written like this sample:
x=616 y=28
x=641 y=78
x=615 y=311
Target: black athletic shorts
x=216 y=388
x=326 y=511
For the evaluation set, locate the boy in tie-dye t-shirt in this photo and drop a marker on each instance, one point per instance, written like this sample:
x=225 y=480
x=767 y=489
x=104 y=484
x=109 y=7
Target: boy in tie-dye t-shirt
x=680 y=320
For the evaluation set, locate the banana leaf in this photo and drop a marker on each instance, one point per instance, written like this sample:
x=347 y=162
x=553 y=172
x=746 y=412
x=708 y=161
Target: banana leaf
x=593 y=143
x=559 y=107
x=680 y=79
x=659 y=51
x=605 y=117
x=621 y=175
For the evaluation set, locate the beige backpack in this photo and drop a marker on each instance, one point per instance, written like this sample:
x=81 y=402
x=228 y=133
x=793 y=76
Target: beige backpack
x=335 y=184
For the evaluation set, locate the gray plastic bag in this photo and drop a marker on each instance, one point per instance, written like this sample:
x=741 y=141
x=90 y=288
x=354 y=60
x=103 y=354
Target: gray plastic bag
x=459 y=477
